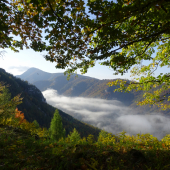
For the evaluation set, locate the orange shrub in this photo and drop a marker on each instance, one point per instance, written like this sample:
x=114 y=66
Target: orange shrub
x=20 y=116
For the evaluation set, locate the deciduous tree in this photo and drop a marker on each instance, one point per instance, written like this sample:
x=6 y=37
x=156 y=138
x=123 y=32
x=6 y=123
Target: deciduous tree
x=120 y=34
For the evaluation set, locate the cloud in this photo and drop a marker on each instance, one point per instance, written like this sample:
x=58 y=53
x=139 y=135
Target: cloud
x=110 y=115
x=19 y=69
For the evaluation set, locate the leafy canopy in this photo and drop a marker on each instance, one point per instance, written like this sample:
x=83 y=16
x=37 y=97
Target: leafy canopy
x=120 y=34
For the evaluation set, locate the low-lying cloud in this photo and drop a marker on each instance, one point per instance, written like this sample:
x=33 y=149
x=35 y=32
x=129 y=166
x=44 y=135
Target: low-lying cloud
x=110 y=115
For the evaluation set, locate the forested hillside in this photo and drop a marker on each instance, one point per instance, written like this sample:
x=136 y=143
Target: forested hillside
x=34 y=106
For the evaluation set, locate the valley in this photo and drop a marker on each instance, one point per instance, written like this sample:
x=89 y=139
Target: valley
x=91 y=101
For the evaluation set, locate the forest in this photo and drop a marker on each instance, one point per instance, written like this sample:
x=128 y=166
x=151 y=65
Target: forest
x=26 y=145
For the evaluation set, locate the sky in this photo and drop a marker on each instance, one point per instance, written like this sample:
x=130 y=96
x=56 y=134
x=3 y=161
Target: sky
x=110 y=115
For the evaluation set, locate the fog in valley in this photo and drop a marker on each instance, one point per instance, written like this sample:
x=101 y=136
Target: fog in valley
x=110 y=115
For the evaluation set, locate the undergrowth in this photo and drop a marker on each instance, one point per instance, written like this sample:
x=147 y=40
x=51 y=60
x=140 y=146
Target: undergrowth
x=19 y=149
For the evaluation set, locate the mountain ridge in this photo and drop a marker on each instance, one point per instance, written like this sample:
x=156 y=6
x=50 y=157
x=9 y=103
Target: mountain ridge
x=34 y=74
x=83 y=86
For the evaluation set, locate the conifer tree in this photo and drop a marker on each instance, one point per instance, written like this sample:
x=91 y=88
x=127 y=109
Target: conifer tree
x=36 y=124
x=56 y=130
x=74 y=136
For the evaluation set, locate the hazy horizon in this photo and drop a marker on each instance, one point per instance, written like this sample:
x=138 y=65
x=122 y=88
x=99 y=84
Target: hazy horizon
x=110 y=115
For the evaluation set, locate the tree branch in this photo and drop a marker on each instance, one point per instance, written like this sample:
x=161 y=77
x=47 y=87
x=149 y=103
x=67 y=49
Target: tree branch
x=55 y=13
x=130 y=43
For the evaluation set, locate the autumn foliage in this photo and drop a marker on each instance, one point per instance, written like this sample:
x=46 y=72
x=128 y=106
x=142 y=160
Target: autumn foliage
x=19 y=115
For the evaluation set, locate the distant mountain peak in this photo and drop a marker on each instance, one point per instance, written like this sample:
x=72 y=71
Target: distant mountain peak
x=34 y=74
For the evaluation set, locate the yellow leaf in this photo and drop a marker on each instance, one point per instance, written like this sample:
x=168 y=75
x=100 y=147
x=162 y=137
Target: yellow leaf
x=163 y=51
x=51 y=145
x=74 y=16
x=58 y=1
x=78 y=8
x=84 y=19
x=90 y=35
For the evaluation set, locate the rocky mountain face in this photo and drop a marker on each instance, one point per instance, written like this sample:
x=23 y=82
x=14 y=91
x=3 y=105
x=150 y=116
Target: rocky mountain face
x=34 y=106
